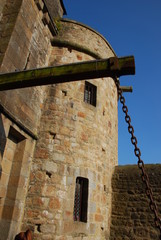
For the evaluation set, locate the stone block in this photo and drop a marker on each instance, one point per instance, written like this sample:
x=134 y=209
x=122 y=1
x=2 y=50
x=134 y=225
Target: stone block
x=6 y=165
x=58 y=157
x=48 y=228
x=41 y=153
x=2 y=191
x=99 y=218
x=92 y=207
x=4 y=179
x=54 y=203
x=50 y=167
x=39 y=4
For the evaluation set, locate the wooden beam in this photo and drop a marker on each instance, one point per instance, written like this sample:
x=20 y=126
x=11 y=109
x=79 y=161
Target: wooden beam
x=126 y=88
x=111 y=67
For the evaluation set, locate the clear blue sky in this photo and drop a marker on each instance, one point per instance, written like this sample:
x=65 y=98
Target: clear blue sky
x=132 y=28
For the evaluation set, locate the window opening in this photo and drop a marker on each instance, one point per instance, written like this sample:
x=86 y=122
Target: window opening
x=81 y=200
x=90 y=93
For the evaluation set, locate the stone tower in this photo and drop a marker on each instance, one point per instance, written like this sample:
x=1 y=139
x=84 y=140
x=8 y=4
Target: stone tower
x=58 y=142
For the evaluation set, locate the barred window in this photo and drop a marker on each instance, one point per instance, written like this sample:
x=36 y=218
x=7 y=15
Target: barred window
x=81 y=200
x=90 y=93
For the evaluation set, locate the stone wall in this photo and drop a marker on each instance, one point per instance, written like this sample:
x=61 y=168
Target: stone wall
x=56 y=8
x=28 y=47
x=131 y=216
x=8 y=15
x=76 y=139
x=16 y=150
x=89 y=41
x=25 y=44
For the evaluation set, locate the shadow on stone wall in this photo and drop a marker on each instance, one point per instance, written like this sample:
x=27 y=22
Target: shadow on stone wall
x=2 y=142
x=12 y=182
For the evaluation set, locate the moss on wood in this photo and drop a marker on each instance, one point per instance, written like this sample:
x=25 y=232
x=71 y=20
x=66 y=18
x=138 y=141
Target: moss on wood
x=110 y=67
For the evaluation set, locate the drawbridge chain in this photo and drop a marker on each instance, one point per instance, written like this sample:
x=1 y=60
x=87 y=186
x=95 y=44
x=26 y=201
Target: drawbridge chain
x=137 y=152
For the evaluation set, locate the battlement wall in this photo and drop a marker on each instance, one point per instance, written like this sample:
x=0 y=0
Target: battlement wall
x=131 y=215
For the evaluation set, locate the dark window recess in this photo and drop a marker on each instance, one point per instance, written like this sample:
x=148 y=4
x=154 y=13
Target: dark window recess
x=90 y=93
x=15 y=136
x=81 y=200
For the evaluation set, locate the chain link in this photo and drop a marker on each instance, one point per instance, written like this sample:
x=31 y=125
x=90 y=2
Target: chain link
x=137 y=152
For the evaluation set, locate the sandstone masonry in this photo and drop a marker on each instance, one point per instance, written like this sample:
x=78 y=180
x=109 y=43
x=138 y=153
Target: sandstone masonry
x=131 y=215
x=76 y=139
x=59 y=143
x=52 y=130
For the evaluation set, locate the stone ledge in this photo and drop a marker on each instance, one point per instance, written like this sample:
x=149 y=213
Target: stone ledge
x=71 y=45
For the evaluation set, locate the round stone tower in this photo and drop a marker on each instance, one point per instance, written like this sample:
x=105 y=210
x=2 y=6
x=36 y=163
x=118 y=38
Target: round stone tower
x=70 y=188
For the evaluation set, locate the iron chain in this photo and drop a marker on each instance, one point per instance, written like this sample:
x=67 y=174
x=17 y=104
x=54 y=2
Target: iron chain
x=137 y=152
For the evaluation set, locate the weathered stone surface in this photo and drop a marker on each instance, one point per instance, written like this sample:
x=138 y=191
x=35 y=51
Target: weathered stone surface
x=75 y=139
x=131 y=216
x=55 y=8
x=28 y=48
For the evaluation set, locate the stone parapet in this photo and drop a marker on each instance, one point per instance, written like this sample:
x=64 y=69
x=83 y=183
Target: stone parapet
x=131 y=215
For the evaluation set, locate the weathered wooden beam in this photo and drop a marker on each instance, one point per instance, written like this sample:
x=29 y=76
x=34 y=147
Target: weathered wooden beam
x=111 y=67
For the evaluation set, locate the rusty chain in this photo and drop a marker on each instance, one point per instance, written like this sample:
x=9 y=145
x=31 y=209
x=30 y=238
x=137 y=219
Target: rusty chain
x=137 y=152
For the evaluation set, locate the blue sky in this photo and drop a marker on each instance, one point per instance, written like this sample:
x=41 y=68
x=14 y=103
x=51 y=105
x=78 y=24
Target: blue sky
x=132 y=28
